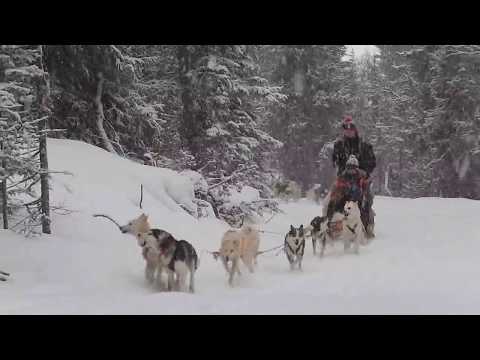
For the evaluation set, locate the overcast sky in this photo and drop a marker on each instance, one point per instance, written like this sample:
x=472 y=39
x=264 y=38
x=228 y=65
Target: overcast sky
x=360 y=49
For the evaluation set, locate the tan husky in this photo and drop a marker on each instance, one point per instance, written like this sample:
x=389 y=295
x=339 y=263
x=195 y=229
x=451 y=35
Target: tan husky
x=239 y=244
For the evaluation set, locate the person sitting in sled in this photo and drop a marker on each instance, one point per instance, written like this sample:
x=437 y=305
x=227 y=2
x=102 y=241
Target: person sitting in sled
x=351 y=185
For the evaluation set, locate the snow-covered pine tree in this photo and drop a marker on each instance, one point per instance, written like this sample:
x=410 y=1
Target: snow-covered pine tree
x=141 y=109
x=145 y=114
x=89 y=73
x=422 y=109
x=223 y=98
x=373 y=111
x=391 y=105
x=406 y=78
x=316 y=80
x=22 y=85
x=454 y=121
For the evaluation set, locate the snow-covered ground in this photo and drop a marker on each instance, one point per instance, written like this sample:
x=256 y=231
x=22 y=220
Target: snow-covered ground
x=425 y=258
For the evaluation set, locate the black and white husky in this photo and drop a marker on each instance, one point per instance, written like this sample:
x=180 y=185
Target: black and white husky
x=295 y=246
x=177 y=257
x=319 y=230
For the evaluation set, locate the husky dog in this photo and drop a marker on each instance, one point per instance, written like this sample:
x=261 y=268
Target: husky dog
x=239 y=244
x=318 y=228
x=153 y=243
x=135 y=227
x=176 y=257
x=353 y=226
x=295 y=246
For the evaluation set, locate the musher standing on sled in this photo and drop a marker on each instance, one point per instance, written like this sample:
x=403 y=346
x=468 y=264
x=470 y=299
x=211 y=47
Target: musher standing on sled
x=358 y=171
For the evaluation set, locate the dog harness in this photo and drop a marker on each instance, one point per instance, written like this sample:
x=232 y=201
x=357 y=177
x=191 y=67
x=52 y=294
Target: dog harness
x=302 y=245
x=352 y=229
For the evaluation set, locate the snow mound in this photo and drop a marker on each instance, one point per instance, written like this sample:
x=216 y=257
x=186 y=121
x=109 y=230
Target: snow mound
x=247 y=194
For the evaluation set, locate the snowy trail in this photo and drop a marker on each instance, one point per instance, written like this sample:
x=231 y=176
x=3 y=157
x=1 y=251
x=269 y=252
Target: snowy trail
x=424 y=260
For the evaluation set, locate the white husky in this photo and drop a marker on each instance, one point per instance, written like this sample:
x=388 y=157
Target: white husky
x=353 y=227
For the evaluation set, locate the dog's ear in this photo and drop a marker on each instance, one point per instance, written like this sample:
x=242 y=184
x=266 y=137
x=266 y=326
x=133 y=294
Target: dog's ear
x=292 y=229
x=301 y=227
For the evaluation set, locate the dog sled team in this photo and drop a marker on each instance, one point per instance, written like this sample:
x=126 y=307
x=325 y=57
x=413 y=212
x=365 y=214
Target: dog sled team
x=177 y=260
x=347 y=215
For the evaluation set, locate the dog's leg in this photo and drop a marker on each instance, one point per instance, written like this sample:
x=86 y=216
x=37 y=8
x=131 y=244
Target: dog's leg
x=171 y=280
x=150 y=271
x=232 y=271
x=357 y=242
x=289 y=258
x=182 y=273
x=293 y=262
x=179 y=284
x=225 y=264
x=179 y=278
x=192 y=279
x=314 y=244
x=158 y=280
x=248 y=262
x=324 y=243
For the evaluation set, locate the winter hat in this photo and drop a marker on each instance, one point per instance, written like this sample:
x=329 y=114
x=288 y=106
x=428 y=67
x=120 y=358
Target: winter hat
x=348 y=123
x=352 y=161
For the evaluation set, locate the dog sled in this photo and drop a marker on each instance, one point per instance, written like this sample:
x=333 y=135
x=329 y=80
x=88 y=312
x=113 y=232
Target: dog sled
x=336 y=225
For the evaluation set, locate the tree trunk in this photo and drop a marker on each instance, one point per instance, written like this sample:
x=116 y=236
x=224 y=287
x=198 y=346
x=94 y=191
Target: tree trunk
x=193 y=121
x=4 y=195
x=44 y=96
x=400 y=172
x=187 y=126
x=45 y=191
x=100 y=115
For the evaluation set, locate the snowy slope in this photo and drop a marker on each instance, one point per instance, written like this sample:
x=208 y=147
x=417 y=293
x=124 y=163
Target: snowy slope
x=424 y=259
